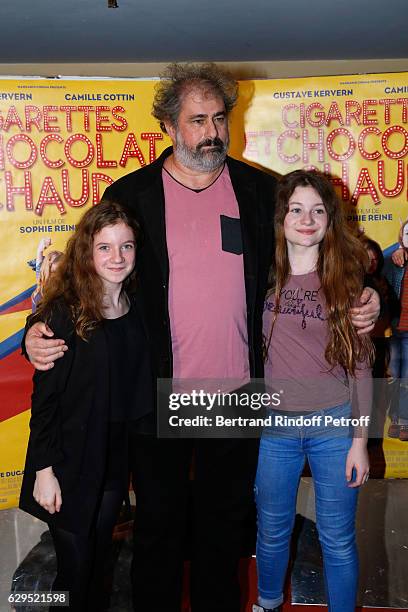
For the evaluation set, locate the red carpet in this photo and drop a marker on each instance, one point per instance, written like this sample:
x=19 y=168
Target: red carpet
x=288 y=607
x=249 y=589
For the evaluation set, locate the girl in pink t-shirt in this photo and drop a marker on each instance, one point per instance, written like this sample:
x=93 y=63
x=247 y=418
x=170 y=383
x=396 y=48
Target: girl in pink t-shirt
x=311 y=343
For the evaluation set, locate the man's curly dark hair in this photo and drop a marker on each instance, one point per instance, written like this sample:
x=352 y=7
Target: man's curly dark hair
x=180 y=78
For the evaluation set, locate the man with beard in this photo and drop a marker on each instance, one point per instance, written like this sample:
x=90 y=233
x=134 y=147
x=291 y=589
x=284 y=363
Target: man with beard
x=207 y=223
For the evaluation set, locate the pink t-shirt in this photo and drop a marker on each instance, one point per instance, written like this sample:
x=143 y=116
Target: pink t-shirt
x=207 y=304
x=296 y=360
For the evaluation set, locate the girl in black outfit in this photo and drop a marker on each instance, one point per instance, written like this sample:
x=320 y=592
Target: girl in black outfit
x=76 y=472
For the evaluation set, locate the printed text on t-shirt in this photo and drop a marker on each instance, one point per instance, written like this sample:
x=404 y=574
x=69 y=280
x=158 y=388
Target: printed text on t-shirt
x=293 y=302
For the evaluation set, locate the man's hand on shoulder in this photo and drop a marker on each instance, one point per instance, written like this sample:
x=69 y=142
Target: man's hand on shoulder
x=41 y=350
x=364 y=316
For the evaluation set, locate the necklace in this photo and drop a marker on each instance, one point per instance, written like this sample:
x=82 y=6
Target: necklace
x=171 y=170
x=312 y=269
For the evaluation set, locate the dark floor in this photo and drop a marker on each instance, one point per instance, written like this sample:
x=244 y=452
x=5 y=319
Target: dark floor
x=382 y=526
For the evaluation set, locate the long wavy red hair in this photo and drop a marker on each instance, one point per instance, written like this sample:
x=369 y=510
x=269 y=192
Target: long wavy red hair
x=341 y=267
x=75 y=281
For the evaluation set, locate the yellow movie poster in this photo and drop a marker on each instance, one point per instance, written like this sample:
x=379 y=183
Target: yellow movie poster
x=355 y=129
x=63 y=141
x=352 y=127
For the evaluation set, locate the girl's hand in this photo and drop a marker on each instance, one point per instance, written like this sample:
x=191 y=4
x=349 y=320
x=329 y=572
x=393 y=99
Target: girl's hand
x=399 y=257
x=47 y=491
x=357 y=458
x=44 y=243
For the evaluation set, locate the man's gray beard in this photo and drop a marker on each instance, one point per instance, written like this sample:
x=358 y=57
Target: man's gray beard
x=204 y=161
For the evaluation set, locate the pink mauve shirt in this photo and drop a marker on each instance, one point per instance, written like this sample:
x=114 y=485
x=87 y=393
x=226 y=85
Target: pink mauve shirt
x=207 y=303
x=296 y=362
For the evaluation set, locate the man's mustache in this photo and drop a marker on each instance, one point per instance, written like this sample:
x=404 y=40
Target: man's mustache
x=211 y=142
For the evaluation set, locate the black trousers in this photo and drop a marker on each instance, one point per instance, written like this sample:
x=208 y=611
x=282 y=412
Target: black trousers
x=83 y=561
x=216 y=507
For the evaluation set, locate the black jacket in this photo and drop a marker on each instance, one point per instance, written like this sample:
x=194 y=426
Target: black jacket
x=69 y=426
x=142 y=192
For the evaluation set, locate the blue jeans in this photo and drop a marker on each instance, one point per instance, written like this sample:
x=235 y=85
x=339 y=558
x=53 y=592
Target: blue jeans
x=399 y=371
x=282 y=455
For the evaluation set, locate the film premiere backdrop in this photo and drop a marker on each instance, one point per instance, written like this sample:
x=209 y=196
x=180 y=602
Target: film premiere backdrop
x=62 y=141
